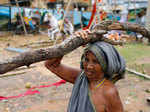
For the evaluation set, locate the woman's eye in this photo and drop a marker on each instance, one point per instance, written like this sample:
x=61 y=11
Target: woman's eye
x=95 y=61
x=86 y=59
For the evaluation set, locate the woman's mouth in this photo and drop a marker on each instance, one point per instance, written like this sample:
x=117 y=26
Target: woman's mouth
x=89 y=73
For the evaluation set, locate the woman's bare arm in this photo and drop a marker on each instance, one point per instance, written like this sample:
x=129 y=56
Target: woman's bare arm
x=113 y=100
x=65 y=72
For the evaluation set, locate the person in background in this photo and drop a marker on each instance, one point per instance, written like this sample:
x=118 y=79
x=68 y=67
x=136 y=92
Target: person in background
x=140 y=19
x=94 y=89
x=124 y=16
x=68 y=27
x=65 y=26
x=52 y=24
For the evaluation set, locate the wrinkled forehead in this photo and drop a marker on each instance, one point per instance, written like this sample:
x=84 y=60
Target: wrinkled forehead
x=89 y=53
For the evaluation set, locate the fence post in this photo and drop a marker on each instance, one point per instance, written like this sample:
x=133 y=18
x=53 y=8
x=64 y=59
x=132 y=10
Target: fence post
x=9 y=21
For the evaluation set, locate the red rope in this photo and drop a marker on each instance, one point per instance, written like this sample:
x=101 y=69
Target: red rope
x=92 y=16
x=31 y=91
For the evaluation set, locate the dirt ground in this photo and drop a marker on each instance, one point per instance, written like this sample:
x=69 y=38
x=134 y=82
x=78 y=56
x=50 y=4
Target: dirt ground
x=133 y=90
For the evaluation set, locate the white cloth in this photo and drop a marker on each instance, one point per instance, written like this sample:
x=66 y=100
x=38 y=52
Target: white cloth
x=123 y=18
x=52 y=33
x=143 y=20
x=124 y=15
x=27 y=12
x=68 y=27
x=52 y=20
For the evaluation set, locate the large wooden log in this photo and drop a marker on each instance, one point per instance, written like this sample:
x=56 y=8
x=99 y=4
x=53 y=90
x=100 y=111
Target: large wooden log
x=110 y=25
x=27 y=58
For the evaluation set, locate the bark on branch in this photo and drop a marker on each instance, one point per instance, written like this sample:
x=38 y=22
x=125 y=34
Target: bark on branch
x=27 y=58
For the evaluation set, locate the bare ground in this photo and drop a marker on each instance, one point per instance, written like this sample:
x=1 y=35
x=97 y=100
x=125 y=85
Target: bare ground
x=133 y=90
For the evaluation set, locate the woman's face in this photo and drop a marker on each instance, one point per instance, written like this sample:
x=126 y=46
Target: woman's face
x=92 y=68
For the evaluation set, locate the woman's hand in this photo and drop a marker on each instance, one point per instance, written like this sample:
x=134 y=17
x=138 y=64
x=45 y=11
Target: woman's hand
x=83 y=34
x=54 y=62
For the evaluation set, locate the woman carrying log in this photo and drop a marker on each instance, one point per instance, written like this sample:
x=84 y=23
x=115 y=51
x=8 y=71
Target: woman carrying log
x=93 y=89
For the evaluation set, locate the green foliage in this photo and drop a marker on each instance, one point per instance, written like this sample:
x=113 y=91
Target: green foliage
x=133 y=52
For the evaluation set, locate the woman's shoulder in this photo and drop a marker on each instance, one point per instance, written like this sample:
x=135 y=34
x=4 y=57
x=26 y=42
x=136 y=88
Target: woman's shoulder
x=109 y=89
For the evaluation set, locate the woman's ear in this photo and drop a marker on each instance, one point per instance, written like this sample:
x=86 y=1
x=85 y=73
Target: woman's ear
x=82 y=60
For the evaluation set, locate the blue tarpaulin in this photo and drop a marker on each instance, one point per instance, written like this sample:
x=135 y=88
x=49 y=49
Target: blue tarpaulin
x=5 y=11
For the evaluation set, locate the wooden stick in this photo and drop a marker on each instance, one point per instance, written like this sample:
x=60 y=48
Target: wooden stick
x=137 y=73
x=13 y=74
x=21 y=18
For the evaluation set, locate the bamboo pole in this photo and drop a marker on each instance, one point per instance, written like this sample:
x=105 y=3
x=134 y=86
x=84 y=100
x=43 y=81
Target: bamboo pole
x=138 y=74
x=21 y=18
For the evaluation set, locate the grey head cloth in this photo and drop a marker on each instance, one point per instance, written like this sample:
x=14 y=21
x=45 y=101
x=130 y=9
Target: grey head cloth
x=111 y=62
x=109 y=58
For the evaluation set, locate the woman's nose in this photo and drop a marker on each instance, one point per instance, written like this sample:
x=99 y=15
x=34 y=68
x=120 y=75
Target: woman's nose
x=90 y=66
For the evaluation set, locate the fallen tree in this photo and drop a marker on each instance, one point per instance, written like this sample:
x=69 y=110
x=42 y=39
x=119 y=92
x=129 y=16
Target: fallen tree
x=27 y=58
